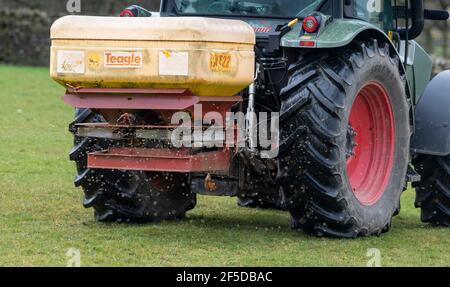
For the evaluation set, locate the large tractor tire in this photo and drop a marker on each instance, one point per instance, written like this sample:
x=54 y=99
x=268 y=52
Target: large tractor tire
x=127 y=196
x=344 y=140
x=433 y=190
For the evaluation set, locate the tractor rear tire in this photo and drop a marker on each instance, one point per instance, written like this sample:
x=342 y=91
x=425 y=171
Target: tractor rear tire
x=344 y=140
x=433 y=190
x=126 y=196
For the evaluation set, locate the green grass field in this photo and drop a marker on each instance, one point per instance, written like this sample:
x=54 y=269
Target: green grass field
x=41 y=215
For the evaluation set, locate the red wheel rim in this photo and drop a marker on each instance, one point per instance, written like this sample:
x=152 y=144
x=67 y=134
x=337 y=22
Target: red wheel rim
x=370 y=163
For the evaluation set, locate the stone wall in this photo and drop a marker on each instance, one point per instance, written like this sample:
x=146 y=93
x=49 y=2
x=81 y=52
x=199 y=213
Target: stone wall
x=25 y=25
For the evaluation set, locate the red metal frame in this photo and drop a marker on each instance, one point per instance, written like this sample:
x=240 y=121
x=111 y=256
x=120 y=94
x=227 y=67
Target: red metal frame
x=165 y=101
x=145 y=99
x=160 y=160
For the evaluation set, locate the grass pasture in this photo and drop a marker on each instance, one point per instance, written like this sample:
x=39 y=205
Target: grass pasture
x=41 y=216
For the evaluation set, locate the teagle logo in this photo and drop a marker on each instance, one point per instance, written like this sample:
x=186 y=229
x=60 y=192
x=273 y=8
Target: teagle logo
x=123 y=60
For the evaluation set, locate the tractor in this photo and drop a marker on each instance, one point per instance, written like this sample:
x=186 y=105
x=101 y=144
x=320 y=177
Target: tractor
x=323 y=108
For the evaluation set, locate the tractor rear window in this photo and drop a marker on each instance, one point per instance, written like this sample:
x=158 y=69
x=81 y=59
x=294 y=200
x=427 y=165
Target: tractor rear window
x=262 y=8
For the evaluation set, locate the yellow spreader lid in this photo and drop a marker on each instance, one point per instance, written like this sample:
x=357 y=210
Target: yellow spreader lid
x=193 y=29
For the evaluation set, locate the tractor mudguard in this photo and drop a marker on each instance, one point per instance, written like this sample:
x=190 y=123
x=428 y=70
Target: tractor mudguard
x=333 y=34
x=418 y=68
x=432 y=116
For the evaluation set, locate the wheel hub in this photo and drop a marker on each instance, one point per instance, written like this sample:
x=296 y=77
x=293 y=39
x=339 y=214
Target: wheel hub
x=351 y=143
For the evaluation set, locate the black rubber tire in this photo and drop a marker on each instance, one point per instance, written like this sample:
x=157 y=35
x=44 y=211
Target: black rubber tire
x=314 y=114
x=433 y=190
x=128 y=196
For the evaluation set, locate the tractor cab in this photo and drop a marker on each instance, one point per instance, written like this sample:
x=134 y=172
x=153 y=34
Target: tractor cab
x=325 y=24
x=399 y=20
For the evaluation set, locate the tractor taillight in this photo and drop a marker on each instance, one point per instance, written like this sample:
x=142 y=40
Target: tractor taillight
x=135 y=11
x=310 y=24
x=127 y=13
x=307 y=44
